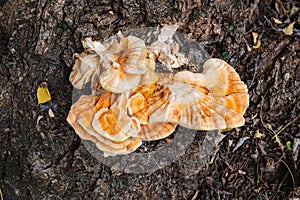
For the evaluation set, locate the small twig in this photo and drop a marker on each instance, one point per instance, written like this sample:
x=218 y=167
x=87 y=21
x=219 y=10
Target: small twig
x=158 y=167
x=297 y=31
x=282 y=129
x=261 y=111
x=271 y=25
x=115 y=22
x=278 y=188
x=292 y=176
x=146 y=192
x=116 y=7
x=1 y=196
x=214 y=155
x=195 y=195
x=255 y=73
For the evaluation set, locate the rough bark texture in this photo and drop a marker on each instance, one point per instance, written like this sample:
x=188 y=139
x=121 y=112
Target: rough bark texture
x=37 y=40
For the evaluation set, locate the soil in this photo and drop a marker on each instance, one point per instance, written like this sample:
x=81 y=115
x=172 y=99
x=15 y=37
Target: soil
x=49 y=161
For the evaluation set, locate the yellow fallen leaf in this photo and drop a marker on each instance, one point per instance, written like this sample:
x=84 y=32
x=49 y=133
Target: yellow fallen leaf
x=289 y=29
x=257 y=45
x=43 y=94
x=256 y=42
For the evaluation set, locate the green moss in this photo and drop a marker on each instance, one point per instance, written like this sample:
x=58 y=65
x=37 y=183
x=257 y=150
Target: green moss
x=63 y=24
x=225 y=54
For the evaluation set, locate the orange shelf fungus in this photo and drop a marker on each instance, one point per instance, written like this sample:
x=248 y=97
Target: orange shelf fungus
x=138 y=103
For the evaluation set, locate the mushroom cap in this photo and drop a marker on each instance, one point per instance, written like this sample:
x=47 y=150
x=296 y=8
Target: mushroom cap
x=114 y=123
x=139 y=103
x=96 y=46
x=131 y=147
x=84 y=108
x=106 y=124
x=145 y=100
x=222 y=81
x=169 y=111
x=81 y=117
x=85 y=121
x=216 y=99
x=86 y=67
x=226 y=85
x=117 y=80
x=130 y=53
x=134 y=51
x=189 y=108
x=221 y=78
x=150 y=76
x=128 y=66
x=111 y=147
x=156 y=131
x=83 y=103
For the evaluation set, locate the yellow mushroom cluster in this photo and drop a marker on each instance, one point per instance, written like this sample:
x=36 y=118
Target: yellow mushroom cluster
x=131 y=102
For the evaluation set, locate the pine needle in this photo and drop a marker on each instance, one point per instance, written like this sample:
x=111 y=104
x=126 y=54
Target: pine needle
x=282 y=129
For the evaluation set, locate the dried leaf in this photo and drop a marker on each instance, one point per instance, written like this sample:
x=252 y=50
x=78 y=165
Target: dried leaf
x=280 y=8
x=294 y=10
x=230 y=142
x=270 y=165
x=248 y=47
x=296 y=144
x=256 y=42
x=259 y=135
x=277 y=6
x=254 y=35
x=38 y=128
x=218 y=138
x=254 y=155
x=257 y=45
x=289 y=29
x=257 y=190
x=240 y=143
x=262 y=148
x=268 y=126
x=296 y=149
x=43 y=94
x=51 y=113
x=276 y=21
x=38 y=119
